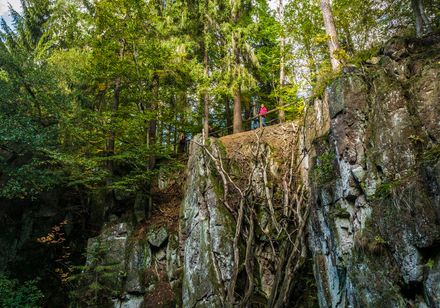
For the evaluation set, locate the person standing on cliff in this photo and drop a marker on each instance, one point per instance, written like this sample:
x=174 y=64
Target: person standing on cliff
x=262 y=114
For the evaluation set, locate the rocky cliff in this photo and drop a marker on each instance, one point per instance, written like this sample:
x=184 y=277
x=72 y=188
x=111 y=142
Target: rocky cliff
x=367 y=155
x=374 y=179
x=338 y=209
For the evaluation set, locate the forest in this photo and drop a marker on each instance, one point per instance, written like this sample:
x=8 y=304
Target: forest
x=99 y=99
x=93 y=93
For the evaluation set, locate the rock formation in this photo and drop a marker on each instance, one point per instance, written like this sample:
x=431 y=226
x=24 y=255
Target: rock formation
x=375 y=230
x=338 y=209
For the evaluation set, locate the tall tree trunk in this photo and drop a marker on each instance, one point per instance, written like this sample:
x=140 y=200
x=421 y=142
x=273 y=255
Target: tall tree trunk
x=424 y=17
x=281 y=114
x=112 y=136
x=204 y=43
x=180 y=117
x=330 y=29
x=349 y=41
x=228 y=115
x=206 y=94
x=146 y=192
x=311 y=61
x=110 y=149
x=420 y=16
x=237 y=118
x=175 y=136
x=152 y=127
x=174 y=127
x=237 y=122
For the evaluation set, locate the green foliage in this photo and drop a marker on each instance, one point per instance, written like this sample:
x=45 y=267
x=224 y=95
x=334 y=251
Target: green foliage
x=364 y=55
x=82 y=82
x=99 y=280
x=56 y=111
x=430 y=264
x=379 y=240
x=24 y=141
x=27 y=181
x=324 y=170
x=323 y=79
x=432 y=155
x=94 y=95
x=385 y=189
x=16 y=294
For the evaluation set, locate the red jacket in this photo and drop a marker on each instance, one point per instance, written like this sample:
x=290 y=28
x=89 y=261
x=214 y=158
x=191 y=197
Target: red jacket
x=263 y=111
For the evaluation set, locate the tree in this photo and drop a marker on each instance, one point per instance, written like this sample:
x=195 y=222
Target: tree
x=100 y=279
x=303 y=19
x=282 y=115
x=205 y=48
x=235 y=14
x=330 y=29
x=18 y=294
x=420 y=17
x=31 y=104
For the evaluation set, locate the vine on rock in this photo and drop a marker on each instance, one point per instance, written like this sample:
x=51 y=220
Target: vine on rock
x=285 y=232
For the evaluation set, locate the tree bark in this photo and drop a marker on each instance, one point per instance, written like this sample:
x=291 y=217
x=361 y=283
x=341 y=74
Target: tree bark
x=282 y=114
x=237 y=118
x=206 y=94
x=228 y=115
x=237 y=122
x=110 y=148
x=418 y=16
x=421 y=18
x=424 y=17
x=152 y=127
x=330 y=29
x=112 y=136
x=151 y=142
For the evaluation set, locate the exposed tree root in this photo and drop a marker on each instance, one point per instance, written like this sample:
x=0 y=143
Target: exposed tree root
x=286 y=229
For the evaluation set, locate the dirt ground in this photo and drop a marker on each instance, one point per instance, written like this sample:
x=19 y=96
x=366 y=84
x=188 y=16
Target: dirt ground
x=279 y=137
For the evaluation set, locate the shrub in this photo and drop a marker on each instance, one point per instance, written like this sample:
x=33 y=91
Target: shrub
x=324 y=170
x=16 y=294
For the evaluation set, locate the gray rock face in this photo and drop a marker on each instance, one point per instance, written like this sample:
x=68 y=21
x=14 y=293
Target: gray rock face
x=130 y=301
x=138 y=261
x=208 y=229
x=157 y=237
x=141 y=206
x=140 y=266
x=370 y=160
x=106 y=258
x=112 y=242
x=432 y=284
x=375 y=226
x=173 y=258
